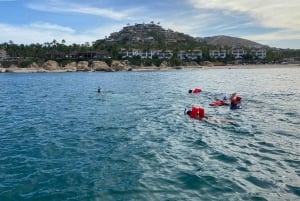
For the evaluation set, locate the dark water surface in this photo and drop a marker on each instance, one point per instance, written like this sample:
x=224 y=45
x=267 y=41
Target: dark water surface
x=61 y=140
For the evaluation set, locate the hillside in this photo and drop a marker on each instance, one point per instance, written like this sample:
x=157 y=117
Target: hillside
x=149 y=35
x=231 y=41
x=153 y=35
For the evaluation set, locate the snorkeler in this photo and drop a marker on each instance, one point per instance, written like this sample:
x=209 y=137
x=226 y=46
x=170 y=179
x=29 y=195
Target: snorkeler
x=219 y=102
x=198 y=113
x=99 y=90
x=195 y=91
x=235 y=101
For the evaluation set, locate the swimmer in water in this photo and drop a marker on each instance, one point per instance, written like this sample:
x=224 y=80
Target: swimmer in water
x=99 y=90
x=235 y=101
x=211 y=119
x=223 y=101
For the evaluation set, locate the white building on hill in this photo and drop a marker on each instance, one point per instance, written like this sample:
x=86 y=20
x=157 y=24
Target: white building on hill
x=217 y=54
x=261 y=53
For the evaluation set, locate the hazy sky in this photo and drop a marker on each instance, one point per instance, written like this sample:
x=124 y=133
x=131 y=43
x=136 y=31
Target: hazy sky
x=271 y=22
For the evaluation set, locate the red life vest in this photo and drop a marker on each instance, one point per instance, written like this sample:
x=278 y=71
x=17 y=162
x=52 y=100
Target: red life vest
x=197 y=112
x=236 y=100
x=196 y=90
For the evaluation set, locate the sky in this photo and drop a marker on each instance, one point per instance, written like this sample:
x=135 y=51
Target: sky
x=275 y=23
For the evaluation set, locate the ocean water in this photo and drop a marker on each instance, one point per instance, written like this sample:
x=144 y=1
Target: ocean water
x=61 y=140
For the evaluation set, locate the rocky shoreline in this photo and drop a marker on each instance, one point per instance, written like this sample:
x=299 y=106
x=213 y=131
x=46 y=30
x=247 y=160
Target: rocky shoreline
x=81 y=66
x=94 y=66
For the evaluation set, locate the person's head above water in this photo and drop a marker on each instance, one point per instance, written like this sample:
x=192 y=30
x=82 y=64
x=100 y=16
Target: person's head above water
x=189 y=112
x=190 y=91
x=232 y=96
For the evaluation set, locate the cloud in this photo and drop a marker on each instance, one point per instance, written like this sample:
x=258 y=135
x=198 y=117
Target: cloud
x=263 y=22
x=268 y=13
x=268 y=21
x=45 y=26
x=66 y=7
x=42 y=32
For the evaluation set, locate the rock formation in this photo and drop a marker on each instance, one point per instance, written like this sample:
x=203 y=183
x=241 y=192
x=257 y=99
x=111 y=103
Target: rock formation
x=118 y=66
x=51 y=65
x=71 y=67
x=83 y=66
x=164 y=64
x=101 y=66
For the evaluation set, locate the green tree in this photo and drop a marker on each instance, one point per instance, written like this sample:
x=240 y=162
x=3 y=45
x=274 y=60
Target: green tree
x=175 y=60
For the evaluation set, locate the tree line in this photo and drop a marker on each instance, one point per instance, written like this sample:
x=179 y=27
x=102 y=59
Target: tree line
x=22 y=54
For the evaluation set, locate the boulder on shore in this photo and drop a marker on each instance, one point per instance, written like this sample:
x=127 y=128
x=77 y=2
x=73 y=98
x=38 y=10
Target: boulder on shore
x=101 y=66
x=33 y=65
x=71 y=67
x=163 y=64
x=208 y=63
x=51 y=65
x=12 y=68
x=83 y=66
x=118 y=66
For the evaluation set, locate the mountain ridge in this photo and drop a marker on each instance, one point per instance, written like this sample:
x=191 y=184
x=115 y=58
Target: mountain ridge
x=224 y=40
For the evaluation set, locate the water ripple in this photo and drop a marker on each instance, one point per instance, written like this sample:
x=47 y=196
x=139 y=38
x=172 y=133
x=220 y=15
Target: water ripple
x=61 y=140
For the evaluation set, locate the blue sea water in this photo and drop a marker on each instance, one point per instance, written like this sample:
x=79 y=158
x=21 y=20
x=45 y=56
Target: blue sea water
x=61 y=140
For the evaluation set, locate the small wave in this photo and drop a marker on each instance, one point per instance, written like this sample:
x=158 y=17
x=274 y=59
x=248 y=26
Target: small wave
x=294 y=189
x=260 y=182
x=225 y=158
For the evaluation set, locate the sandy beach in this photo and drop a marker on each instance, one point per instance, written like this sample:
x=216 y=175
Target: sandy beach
x=151 y=68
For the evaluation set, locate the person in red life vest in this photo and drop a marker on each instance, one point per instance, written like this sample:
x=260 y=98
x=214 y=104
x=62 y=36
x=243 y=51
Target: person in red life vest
x=195 y=91
x=199 y=113
x=196 y=113
x=235 y=101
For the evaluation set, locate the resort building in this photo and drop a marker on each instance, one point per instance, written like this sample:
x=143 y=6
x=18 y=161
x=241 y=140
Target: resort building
x=166 y=54
x=217 y=54
x=261 y=53
x=190 y=55
x=238 y=53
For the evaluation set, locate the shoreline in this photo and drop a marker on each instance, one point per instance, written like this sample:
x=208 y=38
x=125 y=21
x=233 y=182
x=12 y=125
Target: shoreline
x=151 y=68
x=260 y=66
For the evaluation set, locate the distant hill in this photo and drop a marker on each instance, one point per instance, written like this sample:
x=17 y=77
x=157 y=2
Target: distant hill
x=149 y=35
x=153 y=35
x=231 y=42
